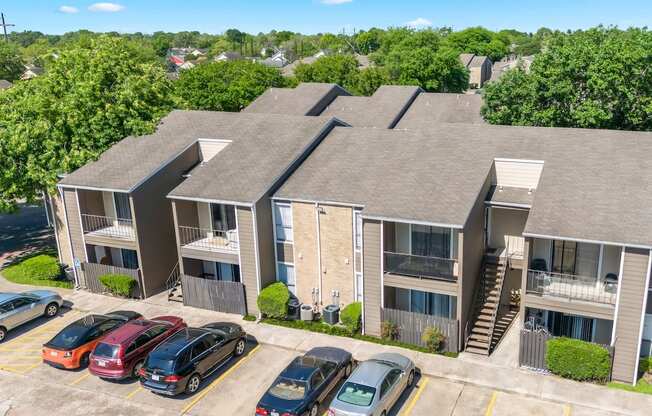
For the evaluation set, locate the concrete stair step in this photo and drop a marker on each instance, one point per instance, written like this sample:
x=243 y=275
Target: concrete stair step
x=480 y=338
x=480 y=351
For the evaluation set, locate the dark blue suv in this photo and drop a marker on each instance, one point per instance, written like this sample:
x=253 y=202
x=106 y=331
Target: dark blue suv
x=305 y=383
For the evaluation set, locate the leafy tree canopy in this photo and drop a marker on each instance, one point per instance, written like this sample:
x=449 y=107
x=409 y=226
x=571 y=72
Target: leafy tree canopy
x=336 y=69
x=94 y=95
x=598 y=78
x=479 y=41
x=11 y=66
x=225 y=86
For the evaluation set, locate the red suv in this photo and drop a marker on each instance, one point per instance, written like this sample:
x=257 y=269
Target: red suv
x=121 y=354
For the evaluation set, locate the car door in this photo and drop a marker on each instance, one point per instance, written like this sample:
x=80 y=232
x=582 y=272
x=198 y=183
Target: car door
x=22 y=311
x=201 y=356
x=331 y=378
x=134 y=351
x=394 y=378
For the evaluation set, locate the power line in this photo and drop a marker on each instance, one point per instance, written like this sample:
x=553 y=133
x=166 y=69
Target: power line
x=5 y=26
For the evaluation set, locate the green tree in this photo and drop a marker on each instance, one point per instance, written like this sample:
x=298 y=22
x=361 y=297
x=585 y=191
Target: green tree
x=479 y=41
x=91 y=97
x=11 y=66
x=598 y=78
x=369 y=41
x=225 y=86
x=369 y=80
x=336 y=69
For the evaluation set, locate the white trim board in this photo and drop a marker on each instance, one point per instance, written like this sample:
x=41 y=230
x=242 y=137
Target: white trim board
x=314 y=201
x=583 y=240
x=645 y=296
x=210 y=201
x=405 y=221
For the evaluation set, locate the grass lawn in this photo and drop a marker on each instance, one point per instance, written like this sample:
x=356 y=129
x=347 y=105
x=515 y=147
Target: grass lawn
x=38 y=271
x=641 y=387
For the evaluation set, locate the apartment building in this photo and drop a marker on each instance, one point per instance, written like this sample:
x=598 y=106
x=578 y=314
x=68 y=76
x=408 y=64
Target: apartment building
x=414 y=206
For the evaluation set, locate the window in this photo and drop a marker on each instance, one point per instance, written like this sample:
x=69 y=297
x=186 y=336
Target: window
x=571 y=326
x=316 y=379
x=201 y=347
x=431 y=241
x=223 y=217
x=286 y=275
x=228 y=272
x=19 y=303
x=563 y=256
x=357 y=215
x=141 y=340
x=358 y=287
x=129 y=259
x=122 y=205
x=356 y=394
x=431 y=303
x=393 y=376
x=283 y=222
x=385 y=387
x=327 y=368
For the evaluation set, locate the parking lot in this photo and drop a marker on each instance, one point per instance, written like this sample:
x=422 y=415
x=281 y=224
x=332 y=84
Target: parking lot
x=30 y=387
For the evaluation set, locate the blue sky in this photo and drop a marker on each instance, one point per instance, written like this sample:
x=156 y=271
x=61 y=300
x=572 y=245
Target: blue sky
x=313 y=16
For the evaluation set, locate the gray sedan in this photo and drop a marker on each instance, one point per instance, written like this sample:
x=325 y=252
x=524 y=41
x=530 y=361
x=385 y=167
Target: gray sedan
x=19 y=308
x=374 y=387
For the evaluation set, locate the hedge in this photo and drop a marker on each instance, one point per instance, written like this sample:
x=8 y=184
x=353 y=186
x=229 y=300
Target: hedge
x=351 y=316
x=118 y=284
x=578 y=360
x=273 y=300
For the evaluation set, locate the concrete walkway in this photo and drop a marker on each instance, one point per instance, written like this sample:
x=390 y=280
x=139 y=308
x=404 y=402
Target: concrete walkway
x=475 y=372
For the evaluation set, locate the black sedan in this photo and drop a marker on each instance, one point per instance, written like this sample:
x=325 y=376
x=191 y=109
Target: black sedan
x=305 y=383
x=181 y=362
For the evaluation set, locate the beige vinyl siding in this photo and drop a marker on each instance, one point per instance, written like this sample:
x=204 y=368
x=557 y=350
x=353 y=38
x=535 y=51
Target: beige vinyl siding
x=265 y=228
x=91 y=202
x=472 y=249
x=186 y=213
x=61 y=229
x=336 y=244
x=371 y=275
x=630 y=309
x=248 y=271
x=209 y=148
x=518 y=174
x=580 y=308
x=154 y=222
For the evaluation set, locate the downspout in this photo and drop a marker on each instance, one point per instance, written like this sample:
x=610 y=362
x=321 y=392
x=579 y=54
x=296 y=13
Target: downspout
x=72 y=254
x=319 y=271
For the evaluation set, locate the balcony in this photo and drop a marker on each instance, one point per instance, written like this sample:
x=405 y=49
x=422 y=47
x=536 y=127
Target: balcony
x=572 y=287
x=209 y=240
x=422 y=267
x=111 y=227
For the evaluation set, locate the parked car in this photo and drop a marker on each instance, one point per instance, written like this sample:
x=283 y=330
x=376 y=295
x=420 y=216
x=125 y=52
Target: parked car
x=304 y=384
x=121 y=354
x=374 y=387
x=71 y=347
x=19 y=308
x=180 y=363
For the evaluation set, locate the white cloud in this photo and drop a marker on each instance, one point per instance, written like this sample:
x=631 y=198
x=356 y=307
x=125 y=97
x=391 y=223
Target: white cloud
x=334 y=2
x=419 y=22
x=106 y=7
x=68 y=9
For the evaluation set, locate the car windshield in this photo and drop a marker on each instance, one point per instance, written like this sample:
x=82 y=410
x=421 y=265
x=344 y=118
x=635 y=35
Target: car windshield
x=356 y=394
x=70 y=337
x=106 y=350
x=164 y=363
x=288 y=389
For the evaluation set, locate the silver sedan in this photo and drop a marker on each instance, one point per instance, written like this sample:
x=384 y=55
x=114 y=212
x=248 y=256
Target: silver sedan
x=374 y=387
x=19 y=308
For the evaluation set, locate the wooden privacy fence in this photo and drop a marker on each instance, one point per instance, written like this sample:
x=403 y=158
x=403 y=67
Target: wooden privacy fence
x=216 y=295
x=411 y=326
x=533 y=347
x=93 y=271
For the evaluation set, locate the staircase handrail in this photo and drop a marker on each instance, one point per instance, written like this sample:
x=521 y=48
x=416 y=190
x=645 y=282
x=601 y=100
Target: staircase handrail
x=501 y=285
x=173 y=278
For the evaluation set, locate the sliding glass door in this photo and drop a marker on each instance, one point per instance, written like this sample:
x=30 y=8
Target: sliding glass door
x=571 y=326
x=122 y=205
x=431 y=241
x=223 y=217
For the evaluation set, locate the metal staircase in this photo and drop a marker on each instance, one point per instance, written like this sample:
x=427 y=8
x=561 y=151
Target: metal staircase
x=486 y=329
x=173 y=285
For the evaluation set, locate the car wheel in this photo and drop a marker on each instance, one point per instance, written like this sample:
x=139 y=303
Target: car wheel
x=83 y=361
x=410 y=379
x=347 y=370
x=193 y=384
x=239 y=348
x=51 y=310
x=136 y=369
x=3 y=334
x=314 y=409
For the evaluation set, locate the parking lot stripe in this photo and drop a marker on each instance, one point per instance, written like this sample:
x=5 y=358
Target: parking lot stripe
x=491 y=405
x=567 y=410
x=415 y=399
x=80 y=379
x=130 y=395
x=217 y=381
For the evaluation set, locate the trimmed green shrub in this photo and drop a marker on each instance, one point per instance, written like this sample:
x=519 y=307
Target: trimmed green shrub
x=433 y=338
x=578 y=360
x=389 y=331
x=41 y=267
x=250 y=318
x=118 y=284
x=273 y=300
x=645 y=365
x=351 y=317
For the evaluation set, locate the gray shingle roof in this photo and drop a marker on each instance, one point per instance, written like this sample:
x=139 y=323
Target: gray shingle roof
x=381 y=110
x=307 y=99
x=442 y=108
x=262 y=146
x=596 y=184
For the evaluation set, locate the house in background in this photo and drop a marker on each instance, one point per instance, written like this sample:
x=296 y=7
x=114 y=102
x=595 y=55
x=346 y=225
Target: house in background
x=31 y=71
x=278 y=60
x=510 y=62
x=479 y=69
x=228 y=56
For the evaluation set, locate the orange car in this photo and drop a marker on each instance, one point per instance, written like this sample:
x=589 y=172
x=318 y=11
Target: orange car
x=72 y=346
